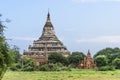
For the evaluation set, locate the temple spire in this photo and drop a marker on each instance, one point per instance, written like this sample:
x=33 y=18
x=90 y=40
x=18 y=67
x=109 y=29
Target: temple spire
x=88 y=54
x=48 y=17
x=88 y=62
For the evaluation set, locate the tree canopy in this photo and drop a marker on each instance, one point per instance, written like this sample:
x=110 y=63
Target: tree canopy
x=101 y=60
x=75 y=58
x=111 y=54
x=57 y=58
x=116 y=63
x=5 y=58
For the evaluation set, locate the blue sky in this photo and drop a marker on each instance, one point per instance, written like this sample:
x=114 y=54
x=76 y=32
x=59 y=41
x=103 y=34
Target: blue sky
x=79 y=24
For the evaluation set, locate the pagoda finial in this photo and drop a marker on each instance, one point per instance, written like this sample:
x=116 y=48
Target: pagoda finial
x=48 y=13
x=88 y=53
x=48 y=16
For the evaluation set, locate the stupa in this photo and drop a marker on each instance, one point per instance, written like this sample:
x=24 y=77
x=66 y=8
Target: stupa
x=46 y=44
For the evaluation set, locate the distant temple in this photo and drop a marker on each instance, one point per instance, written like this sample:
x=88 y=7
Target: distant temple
x=88 y=62
x=45 y=45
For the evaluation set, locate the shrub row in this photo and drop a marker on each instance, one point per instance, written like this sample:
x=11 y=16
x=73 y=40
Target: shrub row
x=105 y=68
x=54 y=67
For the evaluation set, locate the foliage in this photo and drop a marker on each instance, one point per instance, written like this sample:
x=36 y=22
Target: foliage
x=28 y=68
x=28 y=64
x=110 y=53
x=57 y=58
x=101 y=61
x=44 y=68
x=116 y=63
x=75 y=58
x=105 y=68
x=16 y=56
x=54 y=67
x=5 y=58
x=15 y=67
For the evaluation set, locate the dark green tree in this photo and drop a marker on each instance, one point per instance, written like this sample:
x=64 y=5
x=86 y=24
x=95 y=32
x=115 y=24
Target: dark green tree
x=105 y=52
x=116 y=63
x=28 y=64
x=75 y=58
x=110 y=53
x=15 y=54
x=101 y=60
x=57 y=58
x=16 y=57
x=5 y=58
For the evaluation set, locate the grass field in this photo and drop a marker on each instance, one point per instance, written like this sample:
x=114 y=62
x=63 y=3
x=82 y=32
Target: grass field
x=64 y=75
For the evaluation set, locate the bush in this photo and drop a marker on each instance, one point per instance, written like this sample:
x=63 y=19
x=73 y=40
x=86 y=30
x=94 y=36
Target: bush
x=15 y=67
x=57 y=58
x=28 y=68
x=116 y=63
x=49 y=67
x=105 y=68
x=75 y=58
x=28 y=64
x=72 y=66
x=54 y=67
x=44 y=68
x=66 y=69
x=101 y=60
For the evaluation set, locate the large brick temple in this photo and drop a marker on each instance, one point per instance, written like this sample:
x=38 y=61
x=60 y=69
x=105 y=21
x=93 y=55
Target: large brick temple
x=45 y=45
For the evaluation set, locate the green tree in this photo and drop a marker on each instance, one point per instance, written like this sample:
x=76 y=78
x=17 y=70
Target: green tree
x=116 y=63
x=15 y=54
x=110 y=53
x=28 y=64
x=57 y=58
x=76 y=58
x=105 y=52
x=16 y=57
x=5 y=58
x=101 y=60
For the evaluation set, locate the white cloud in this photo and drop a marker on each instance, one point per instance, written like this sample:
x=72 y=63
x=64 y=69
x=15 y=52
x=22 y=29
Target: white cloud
x=86 y=1
x=22 y=38
x=102 y=39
